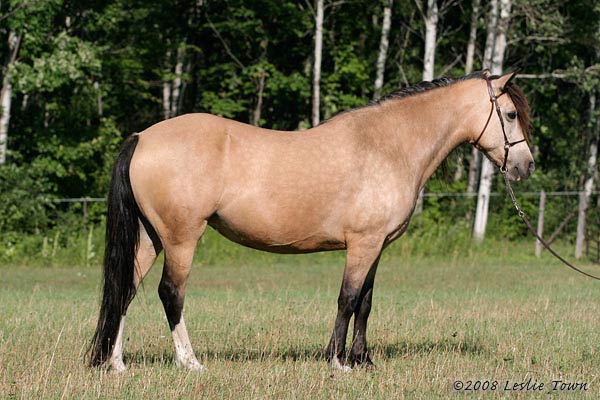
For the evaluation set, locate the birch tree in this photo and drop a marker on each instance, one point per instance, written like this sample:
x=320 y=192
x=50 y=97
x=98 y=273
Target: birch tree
x=588 y=187
x=177 y=82
x=431 y=21
x=173 y=83
x=316 y=97
x=167 y=92
x=183 y=35
x=260 y=88
x=592 y=170
x=496 y=42
x=475 y=154
x=383 y=48
x=472 y=37
x=14 y=41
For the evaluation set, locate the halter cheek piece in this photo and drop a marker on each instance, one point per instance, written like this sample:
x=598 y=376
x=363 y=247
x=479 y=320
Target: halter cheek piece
x=507 y=144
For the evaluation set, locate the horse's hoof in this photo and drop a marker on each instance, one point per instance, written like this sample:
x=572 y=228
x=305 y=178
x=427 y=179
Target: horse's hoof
x=190 y=365
x=336 y=364
x=368 y=366
x=363 y=362
x=117 y=367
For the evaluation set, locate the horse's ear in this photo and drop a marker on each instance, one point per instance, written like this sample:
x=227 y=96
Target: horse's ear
x=504 y=80
x=486 y=73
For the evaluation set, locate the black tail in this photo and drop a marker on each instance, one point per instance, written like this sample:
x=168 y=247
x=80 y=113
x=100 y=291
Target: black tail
x=122 y=236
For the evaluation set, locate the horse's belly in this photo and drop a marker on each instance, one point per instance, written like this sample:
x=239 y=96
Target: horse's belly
x=262 y=237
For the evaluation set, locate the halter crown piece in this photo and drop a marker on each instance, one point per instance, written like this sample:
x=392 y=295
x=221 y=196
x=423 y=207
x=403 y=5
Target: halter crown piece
x=507 y=145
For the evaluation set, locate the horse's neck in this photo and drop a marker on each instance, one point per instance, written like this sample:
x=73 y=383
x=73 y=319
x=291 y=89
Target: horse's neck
x=420 y=131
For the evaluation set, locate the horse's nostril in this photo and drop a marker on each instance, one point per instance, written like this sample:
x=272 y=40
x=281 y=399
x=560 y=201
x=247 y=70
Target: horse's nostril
x=531 y=167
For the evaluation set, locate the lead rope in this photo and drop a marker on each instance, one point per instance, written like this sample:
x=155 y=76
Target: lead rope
x=532 y=230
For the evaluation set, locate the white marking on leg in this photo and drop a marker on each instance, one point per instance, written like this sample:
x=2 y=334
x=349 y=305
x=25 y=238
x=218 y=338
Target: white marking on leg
x=184 y=354
x=116 y=358
x=336 y=364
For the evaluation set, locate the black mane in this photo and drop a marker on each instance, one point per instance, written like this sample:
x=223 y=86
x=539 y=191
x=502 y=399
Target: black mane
x=425 y=86
x=515 y=93
x=408 y=91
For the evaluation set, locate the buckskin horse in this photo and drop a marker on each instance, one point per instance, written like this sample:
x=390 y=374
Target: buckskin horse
x=349 y=183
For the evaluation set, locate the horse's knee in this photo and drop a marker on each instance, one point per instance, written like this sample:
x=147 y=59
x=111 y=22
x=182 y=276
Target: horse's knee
x=348 y=300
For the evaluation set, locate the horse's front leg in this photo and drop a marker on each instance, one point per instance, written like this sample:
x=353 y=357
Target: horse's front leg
x=358 y=352
x=361 y=258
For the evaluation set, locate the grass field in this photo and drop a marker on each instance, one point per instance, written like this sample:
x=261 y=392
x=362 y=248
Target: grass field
x=260 y=323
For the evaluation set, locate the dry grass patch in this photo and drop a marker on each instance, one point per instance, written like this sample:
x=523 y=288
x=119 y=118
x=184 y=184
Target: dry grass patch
x=261 y=331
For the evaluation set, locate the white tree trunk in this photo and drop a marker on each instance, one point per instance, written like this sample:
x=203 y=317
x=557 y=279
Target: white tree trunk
x=472 y=37
x=540 y=223
x=492 y=24
x=476 y=158
x=496 y=57
x=316 y=106
x=14 y=41
x=483 y=199
x=167 y=91
x=492 y=30
x=177 y=82
x=167 y=99
x=458 y=172
x=500 y=42
x=5 y=103
x=99 y=102
x=475 y=155
x=260 y=88
x=383 y=48
x=584 y=197
x=431 y=21
x=474 y=166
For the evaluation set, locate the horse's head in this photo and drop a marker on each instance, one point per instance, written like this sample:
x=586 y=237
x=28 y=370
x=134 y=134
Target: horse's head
x=505 y=137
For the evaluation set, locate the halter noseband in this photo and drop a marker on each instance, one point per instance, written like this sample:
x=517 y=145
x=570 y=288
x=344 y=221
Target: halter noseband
x=507 y=144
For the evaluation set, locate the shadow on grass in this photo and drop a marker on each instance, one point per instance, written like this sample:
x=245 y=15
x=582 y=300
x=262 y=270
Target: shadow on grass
x=300 y=353
x=402 y=349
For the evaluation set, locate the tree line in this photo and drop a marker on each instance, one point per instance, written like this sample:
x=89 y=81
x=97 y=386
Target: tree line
x=78 y=76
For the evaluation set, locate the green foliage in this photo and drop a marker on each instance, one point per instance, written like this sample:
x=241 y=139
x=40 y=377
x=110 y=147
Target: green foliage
x=89 y=73
x=24 y=198
x=70 y=60
x=349 y=75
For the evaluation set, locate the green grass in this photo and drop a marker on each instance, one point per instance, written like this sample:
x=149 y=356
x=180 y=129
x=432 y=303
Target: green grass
x=260 y=323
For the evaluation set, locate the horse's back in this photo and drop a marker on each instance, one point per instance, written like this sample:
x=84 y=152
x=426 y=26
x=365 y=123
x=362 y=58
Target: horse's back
x=246 y=180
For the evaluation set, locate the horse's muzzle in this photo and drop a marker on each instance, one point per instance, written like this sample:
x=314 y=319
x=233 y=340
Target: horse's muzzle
x=524 y=170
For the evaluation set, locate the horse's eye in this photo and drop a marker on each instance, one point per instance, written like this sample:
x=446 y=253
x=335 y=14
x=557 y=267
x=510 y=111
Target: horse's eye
x=511 y=115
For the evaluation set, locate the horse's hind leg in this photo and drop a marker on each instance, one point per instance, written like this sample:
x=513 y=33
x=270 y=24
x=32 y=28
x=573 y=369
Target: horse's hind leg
x=148 y=248
x=361 y=256
x=178 y=261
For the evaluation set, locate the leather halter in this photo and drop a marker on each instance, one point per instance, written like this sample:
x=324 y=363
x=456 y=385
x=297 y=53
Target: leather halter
x=494 y=104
